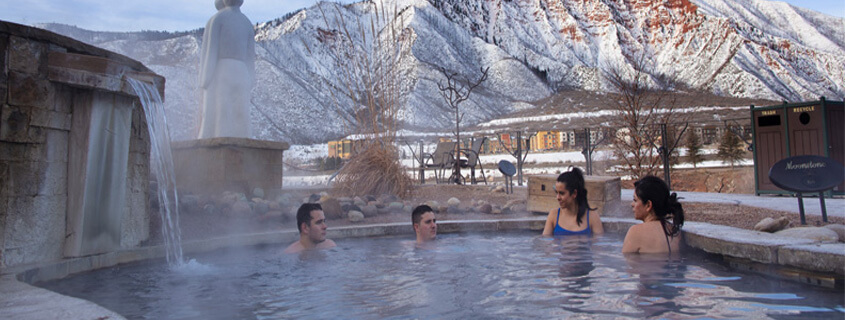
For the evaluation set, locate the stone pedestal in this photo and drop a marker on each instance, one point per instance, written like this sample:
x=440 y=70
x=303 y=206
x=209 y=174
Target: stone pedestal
x=211 y=166
x=603 y=193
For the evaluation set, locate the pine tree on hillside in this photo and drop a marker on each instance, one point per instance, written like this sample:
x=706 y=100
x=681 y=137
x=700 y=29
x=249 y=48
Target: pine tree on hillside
x=694 y=153
x=730 y=148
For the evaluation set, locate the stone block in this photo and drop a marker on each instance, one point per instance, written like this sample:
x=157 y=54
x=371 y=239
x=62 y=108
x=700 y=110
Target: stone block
x=828 y=257
x=541 y=194
x=238 y=165
x=56 y=148
x=16 y=152
x=34 y=253
x=33 y=221
x=37 y=178
x=26 y=55
x=62 y=100
x=29 y=90
x=50 y=119
x=4 y=70
x=3 y=208
x=6 y=186
x=735 y=242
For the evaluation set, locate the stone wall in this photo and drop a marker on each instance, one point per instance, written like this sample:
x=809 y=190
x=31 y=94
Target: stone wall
x=35 y=123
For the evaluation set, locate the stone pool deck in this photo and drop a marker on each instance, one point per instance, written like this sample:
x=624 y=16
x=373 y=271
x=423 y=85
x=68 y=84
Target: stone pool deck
x=790 y=258
x=835 y=206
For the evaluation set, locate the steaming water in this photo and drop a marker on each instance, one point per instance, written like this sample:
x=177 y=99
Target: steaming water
x=472 y=276
x=161 y=162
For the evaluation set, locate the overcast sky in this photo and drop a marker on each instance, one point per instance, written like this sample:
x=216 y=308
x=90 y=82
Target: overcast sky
x=182 y=15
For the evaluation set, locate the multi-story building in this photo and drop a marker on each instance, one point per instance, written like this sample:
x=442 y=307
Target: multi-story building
x=546 y=140
x=340 y=149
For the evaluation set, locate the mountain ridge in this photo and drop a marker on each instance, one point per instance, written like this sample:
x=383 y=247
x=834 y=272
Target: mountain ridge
x=533 y=48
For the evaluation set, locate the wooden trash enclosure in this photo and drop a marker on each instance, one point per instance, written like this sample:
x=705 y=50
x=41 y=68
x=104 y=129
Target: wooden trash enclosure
x=787 y=130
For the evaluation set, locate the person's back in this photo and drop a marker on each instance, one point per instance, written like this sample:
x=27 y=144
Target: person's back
x=662 y=218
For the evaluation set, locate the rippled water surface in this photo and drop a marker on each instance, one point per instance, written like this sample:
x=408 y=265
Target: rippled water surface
x=485 y=275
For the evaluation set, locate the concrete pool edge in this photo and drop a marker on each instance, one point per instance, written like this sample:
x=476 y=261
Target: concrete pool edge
x=805 y=260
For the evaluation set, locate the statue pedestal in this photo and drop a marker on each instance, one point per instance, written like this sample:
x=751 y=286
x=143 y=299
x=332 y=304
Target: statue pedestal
x=211 y=166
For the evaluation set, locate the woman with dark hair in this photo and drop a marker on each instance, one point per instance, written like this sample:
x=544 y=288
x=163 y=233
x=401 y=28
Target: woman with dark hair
x=574 y=216
x=662 y=218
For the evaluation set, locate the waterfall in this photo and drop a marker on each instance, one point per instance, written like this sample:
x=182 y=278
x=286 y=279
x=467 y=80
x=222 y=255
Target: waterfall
x=161 y=164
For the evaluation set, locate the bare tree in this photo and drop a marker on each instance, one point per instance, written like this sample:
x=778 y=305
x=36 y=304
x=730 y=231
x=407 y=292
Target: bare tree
x=370 y=59
x=644 y=107
x=456 y=90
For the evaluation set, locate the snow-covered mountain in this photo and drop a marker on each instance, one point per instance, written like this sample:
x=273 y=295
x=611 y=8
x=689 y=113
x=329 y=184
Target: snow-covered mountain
x=741 y=48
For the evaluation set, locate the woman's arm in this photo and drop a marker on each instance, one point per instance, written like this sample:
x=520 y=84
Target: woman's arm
x=595 y=223
x=549 y=229
x=631 y=243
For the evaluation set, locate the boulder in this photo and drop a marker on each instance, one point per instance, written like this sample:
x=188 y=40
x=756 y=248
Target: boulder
x=210 y=210
x=514 y=202
x=258 y=193
x=812 y=233
x=433 y=204
x=485 y=208
x=349 y=207
x=454 y=210
x=273 y=205
x=499 y=189
x=313 y=198
x=241 y=209
x=388 y=198
x=839 y=229
x=453 y=202
x=356 y=216
x=369 y=211
x=395 y=207
x=496 y=210
x=260 y=207
x=359 y=202
x=772 y=225
x=519 y=207
x=331 y=207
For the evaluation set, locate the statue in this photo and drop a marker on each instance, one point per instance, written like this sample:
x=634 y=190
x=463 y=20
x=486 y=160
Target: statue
x=227 y=72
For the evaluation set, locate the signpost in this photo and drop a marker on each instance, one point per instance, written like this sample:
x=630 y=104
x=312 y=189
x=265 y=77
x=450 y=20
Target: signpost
x=805 y=174
x=508 y=170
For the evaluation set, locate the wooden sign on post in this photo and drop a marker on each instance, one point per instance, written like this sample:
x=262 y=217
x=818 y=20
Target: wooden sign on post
x=808 y=173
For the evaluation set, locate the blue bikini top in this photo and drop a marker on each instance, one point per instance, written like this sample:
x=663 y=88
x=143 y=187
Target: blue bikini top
x=560 y=231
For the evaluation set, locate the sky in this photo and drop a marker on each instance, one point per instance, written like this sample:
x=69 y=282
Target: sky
x=183 y=15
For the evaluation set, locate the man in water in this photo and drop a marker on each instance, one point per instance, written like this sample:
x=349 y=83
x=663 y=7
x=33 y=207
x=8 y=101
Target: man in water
x=425 y=224
x=311 y=222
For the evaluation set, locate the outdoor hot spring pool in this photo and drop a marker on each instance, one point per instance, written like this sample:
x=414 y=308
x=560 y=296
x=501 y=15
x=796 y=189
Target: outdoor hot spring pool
x=472 y=276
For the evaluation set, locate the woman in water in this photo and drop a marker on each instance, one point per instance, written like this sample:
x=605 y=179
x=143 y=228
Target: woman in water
x=662 y=218
x=574 y=216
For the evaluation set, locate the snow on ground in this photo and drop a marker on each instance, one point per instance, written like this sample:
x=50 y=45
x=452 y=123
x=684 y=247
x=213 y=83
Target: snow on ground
x=563 y=159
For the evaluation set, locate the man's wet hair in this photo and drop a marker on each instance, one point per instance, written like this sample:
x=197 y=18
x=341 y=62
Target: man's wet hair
x=303 y=215
x=419 y=211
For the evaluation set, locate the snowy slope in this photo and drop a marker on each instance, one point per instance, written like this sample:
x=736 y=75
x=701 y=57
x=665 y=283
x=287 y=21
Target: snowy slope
x=740 y=48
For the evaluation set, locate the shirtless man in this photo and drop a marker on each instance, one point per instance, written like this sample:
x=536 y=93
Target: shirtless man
x=425 y=224
x=311 y=222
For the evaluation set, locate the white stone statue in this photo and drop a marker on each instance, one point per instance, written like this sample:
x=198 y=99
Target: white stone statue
x=227 y=72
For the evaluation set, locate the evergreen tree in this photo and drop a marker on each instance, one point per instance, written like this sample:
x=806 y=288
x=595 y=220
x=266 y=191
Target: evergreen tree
x=730 y=148
x=694 y=153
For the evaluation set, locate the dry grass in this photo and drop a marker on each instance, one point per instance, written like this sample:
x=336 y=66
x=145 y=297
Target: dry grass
x=373 y=171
